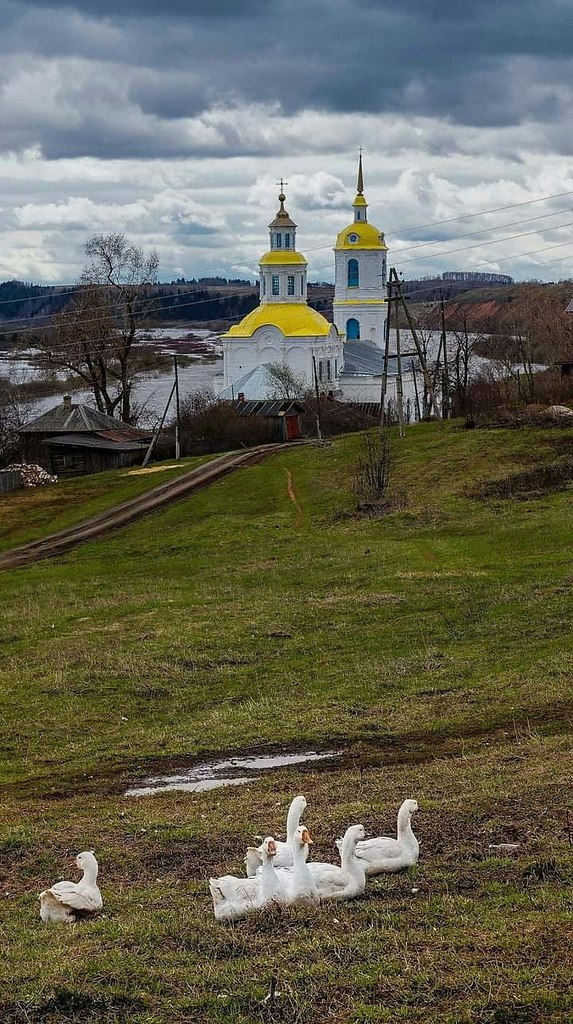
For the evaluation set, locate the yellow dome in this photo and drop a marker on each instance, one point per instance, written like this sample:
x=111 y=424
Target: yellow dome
x=283 y=257
x=360 y=235
x=293 y=319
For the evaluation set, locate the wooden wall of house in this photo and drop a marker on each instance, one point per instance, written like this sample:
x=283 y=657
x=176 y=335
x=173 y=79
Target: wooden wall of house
x=82 y=461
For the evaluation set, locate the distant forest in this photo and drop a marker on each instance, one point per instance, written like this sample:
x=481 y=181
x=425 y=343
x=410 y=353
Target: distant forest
x=208 y=299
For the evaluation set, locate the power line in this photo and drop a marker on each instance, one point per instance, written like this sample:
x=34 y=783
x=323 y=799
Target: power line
x=230 y=266
x=483 y=231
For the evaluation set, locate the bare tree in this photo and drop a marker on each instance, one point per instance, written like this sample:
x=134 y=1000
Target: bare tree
x=285 y=383
x=94 y=337
x=14 y=413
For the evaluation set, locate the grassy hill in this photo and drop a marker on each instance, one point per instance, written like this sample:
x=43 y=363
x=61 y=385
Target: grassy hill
x=431 y=647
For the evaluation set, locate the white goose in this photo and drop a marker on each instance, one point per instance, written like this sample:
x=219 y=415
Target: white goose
x=298 y=880
x=67 y=901
x=344 y=882
x=234 y=898
x=284 y=854
x=384 y=855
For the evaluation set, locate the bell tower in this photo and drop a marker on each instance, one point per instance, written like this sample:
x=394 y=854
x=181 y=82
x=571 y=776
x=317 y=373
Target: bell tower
x=360 y=274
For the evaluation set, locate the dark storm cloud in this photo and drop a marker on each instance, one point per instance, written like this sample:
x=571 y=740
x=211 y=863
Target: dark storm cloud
x=496 y=63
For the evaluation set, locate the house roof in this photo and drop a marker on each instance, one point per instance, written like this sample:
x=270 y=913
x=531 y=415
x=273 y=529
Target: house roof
x=367 y=358
x=99 y=441
x=68 y=417
x=257 y=384
x=278 y=407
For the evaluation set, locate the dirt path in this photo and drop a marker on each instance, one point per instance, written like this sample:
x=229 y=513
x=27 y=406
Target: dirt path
x=112 y=519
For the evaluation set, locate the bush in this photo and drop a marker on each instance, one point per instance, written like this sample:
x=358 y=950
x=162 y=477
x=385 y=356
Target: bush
x=372 y=469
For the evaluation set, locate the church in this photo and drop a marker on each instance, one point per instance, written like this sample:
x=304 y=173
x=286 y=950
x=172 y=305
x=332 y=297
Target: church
x=345 y=356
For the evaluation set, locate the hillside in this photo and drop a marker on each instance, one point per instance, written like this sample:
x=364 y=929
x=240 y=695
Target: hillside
x=430 y=647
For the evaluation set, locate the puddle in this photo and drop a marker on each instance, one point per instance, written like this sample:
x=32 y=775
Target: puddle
x=235 y=771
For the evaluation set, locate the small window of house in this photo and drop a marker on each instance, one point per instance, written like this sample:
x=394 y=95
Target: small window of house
x=278 y=239
x=287 y=241
x=275 y=284
x=290 y=284
x=353 y=274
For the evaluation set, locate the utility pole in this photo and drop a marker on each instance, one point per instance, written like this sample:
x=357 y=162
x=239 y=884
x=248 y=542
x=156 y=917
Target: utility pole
x=384 y=384
x=415 y=379
x=159 y=429
x=446 y=406
x=425 y=372
x=318 y=419
x=399 y=382
x=178 y=411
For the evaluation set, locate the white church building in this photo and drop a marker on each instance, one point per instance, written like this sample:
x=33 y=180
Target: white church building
x=283 y=329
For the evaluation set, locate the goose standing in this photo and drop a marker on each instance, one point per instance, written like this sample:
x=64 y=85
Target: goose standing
x=67 y=901
x=347 y=881
x=234 y=898
x=384 y=855
x=284 y=855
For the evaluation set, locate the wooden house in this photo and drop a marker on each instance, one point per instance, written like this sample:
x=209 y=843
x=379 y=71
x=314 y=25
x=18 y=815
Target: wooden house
x=71 y=440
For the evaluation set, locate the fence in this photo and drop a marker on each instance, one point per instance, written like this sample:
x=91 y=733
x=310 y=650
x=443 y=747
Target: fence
x=10 y=480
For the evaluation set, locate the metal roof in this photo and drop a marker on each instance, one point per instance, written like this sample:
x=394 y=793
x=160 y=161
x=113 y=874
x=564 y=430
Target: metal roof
x=257 y=384
x=79 y=419
x=280 y=407
x=366 y=357
x=98 y=441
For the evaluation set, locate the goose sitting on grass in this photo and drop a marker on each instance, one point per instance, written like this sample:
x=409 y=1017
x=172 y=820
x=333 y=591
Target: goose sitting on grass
x=384 y=855
x=234 y=898
x=68 y=901
x=298 y=880
x=347 y=881
x=284 y=854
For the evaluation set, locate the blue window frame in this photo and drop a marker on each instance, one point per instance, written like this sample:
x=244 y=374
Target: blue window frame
x=352 y=329
x=353 y=280
x=290 y=284
x=287 y=240
x=278 y=239
x=275 y=286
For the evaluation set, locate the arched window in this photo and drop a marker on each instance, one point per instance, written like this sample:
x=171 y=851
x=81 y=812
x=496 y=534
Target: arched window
x=353 y=273
x=352 y=330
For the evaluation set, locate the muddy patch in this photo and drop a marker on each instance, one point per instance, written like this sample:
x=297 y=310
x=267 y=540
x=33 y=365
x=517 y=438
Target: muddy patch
x=233 y=771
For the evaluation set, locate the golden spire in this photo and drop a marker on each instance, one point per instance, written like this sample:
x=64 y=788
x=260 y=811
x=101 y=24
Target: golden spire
x=360 y=183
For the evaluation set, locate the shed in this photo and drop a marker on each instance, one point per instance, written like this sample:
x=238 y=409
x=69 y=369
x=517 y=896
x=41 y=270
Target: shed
x=73 y=439
x=285 y=414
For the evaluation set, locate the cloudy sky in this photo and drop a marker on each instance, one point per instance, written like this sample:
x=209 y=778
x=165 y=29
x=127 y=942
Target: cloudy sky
x=173 y=121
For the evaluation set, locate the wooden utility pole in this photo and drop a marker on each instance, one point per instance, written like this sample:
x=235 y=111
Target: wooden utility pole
x=446 y=405
x=318 y=419
x=415 y=379
x=425 y=372
x=399 y=382
x=178 y=411
x=384 y=384
x=159 y=429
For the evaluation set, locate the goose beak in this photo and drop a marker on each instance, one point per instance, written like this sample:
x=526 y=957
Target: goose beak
x=306 y=838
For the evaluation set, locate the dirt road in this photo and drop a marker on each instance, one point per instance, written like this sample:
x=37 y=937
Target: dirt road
x=102 y=524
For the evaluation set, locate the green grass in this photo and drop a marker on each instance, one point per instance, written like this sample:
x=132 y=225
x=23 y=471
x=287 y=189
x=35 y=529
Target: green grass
x=28 y=515
x=431 y=645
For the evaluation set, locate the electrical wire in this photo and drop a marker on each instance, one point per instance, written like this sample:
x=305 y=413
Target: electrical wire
x=467 y=216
